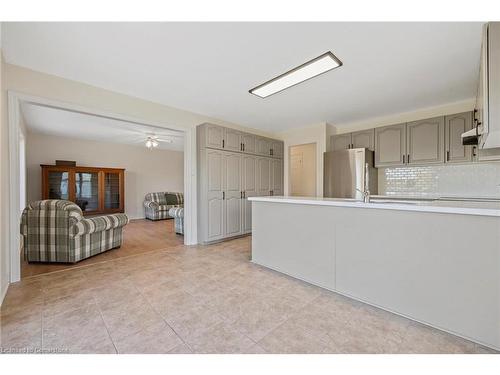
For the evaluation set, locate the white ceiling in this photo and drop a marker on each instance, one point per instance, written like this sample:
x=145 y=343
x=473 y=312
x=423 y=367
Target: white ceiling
x=63 y=123
x=208 y=68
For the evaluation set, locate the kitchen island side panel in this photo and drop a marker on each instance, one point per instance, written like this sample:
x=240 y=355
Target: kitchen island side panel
x=296 y=241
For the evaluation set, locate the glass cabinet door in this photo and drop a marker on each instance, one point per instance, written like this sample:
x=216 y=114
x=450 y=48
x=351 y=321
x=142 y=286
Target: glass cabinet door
x=87 y=190
x=58 y=184
x=112 y=191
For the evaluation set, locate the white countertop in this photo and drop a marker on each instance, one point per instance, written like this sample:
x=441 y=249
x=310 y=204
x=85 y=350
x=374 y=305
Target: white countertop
x=448 y=207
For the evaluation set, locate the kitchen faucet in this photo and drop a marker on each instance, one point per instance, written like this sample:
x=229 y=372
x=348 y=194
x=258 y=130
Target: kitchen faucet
x=366 y=190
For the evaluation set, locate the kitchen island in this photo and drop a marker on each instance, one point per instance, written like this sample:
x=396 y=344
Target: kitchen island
x=436 y=263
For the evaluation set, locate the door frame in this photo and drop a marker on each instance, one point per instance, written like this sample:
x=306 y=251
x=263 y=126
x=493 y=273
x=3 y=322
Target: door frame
x=14 y=100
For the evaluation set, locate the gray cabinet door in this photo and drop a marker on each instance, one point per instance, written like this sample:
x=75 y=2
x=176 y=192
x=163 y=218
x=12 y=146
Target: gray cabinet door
x=232 y=140
x=249 y=187
x=215 y=204
x=425 y=141
x=214 y=136
x=264 y=176
x=340 y=142
x=263 y=146
x=390 y=145
x=364 y=139
x=455 y=125
x=277 y=177
x=249 y=144
x=277 y=149
x=232 y=190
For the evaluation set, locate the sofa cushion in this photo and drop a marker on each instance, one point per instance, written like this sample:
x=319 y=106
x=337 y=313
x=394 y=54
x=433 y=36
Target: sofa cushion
x=174 y=198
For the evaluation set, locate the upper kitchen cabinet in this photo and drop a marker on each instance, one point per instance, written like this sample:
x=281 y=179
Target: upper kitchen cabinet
x=232 y=140
x=454 y=126
x=277 y=149
x=211 y=136
x=363 y=139
x=249 y=143
x=390 y=145
x=263 y=146
x=425 y=141
x=340 y=142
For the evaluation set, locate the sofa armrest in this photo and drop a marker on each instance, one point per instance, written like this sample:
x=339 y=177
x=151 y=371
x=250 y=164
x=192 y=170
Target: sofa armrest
x=99 y=224
x=151 y=204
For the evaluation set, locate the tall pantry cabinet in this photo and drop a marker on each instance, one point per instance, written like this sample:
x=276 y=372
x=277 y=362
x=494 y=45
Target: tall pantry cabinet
x=233 y=166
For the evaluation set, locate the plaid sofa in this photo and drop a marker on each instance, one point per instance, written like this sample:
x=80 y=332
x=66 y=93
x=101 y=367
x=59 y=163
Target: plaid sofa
x=55 y=230
x=157 y=205
x=178 y=214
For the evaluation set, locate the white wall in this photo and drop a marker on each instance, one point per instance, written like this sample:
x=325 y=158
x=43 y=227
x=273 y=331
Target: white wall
x=303 y=170
x=311 y=134
x=145 y=170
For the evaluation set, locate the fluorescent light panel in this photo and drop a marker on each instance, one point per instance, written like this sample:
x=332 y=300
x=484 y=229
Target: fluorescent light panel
x=310 y=69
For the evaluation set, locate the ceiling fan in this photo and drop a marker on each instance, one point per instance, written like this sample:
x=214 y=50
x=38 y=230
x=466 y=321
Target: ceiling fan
x=153 y=141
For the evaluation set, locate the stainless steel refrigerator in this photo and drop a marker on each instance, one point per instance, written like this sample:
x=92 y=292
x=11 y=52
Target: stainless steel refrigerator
x=345 y=171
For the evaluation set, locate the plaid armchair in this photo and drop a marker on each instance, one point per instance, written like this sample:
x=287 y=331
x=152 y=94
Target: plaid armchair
x=55 y=230
x=157 y=205
x=178 y=215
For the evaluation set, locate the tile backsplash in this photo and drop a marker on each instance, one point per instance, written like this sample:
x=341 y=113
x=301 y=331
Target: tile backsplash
x=467 y=180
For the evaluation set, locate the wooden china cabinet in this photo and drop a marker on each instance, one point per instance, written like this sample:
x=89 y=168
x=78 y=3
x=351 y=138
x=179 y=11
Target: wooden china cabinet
x=95 y=190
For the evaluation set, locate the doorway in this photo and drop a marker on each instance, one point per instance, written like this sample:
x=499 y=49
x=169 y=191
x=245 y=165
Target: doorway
x=16 y=101
x=303 y=170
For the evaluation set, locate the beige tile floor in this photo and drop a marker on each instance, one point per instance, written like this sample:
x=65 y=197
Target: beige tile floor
x=203 y=299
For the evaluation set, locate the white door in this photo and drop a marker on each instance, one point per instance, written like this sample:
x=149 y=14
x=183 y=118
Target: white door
x=215 y=204
x=249 y=187
x=233 y=194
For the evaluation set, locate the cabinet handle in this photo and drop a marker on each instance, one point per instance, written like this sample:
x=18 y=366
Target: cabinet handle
x=408 y=159
x=474 y=151
x=223 y=143
x=244 y=194
x=404 y=159
x=243 y=147
x=447 y=155
x=223 y=195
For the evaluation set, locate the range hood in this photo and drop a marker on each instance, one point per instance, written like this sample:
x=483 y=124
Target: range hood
x=471 y=137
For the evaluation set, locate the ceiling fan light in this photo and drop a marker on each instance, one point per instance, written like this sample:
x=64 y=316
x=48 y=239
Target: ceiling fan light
x=149 y=143
x=155 y=143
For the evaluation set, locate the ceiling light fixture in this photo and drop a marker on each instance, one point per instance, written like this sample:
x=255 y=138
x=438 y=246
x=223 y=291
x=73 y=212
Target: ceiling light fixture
x=151 y=142
x=308 y=70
